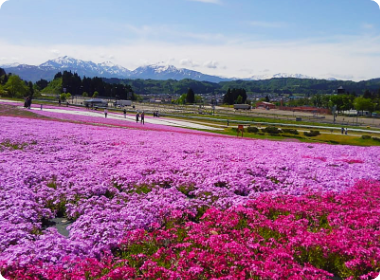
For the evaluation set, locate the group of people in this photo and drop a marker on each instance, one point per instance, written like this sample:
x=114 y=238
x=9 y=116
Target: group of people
x=142 y=117
x=156 y=114
x=139 y=117
x=344 y=131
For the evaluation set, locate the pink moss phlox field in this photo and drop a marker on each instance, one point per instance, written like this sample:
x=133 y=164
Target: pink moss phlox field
x=112 y=182
x=297 y=237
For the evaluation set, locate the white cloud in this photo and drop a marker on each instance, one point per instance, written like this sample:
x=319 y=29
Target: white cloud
x=377 y=2
x=211 y=64
x=346 y=56
x=55 y=52
x=188 y=63
x=2 y=2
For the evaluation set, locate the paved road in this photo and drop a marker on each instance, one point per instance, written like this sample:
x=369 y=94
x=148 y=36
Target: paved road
x=129 y=118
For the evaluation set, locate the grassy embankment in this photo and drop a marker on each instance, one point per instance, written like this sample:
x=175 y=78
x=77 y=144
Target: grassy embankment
x=325 y=137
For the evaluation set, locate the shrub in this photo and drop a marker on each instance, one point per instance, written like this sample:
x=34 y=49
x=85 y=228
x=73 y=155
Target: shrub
x=312 y=133
x=252 y=129
x=290 y=131
x=366 y=137
x=272 y=130
x=376 y=139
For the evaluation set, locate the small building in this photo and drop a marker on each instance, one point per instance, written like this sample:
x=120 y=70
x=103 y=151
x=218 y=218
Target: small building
x=266 y=105
x=96 y=102
x=341 y=90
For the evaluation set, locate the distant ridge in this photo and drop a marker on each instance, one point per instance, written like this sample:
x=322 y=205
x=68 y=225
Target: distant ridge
x=48 y=69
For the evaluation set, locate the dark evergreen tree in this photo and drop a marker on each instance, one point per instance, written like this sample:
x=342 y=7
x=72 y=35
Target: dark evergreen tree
x=2 y=72
x=42 y=84
x=367 y=94
x=31 y=89
x=227 y=98
x=58 y=75
x=190 y=97
x=232 y=96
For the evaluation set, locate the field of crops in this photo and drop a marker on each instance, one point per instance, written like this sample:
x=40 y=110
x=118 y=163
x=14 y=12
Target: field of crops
x=173 y=204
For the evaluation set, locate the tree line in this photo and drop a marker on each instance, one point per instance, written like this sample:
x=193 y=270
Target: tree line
x=14 y=87
x=276 y=86
x=362 y=96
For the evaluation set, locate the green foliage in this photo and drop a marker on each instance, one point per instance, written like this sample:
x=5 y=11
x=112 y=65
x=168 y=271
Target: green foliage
x=85 y=94
x=376 y=139
x=252 y=129
x=15 y=87
x=272 y=130
x=182 y=99
x=365 y=137
x=96 y=94
x=232 y=96
x=54 y=87
x=65 y=96
x=141 y=189
x=312 y=133
x=186 y=189
x=290 y=131
x=58 y=207
x=364 y=104
x=12 y=145
x=342 y=102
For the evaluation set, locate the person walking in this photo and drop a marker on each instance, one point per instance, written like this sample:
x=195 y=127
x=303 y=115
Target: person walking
x=105 y=113
x=142 y=118
x=137 y=117
x=346 y=131
x=125 y=113
x=342 y=130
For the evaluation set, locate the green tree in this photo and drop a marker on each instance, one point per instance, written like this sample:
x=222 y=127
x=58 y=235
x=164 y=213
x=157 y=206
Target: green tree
x=232 y=96
x=182 y=99
x=198 y=99
x=239 y=100
x=63 y=96
x=342 y=102
x=190 y=96
x=364 y=104
x=96 y=94
x=85 y=94
x=16 y=87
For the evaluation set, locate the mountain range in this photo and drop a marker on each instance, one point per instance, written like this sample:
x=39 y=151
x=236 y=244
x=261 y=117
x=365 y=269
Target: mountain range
x=48 y=69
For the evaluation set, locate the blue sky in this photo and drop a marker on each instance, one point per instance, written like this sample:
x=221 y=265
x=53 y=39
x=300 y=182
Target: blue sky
x=232 y=38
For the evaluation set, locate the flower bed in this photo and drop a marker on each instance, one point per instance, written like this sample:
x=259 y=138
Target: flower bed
x=118 y=183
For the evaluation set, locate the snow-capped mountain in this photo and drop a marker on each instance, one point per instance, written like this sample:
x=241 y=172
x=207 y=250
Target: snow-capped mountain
x=165 y=72
x=48 y=69
x=160 y=71
x=88 y=68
